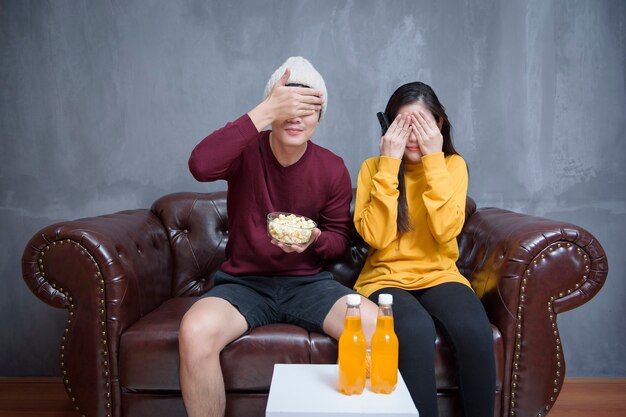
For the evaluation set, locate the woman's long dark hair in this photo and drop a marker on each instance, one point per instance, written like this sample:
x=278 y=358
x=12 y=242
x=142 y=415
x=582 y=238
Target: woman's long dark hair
x=412 y=93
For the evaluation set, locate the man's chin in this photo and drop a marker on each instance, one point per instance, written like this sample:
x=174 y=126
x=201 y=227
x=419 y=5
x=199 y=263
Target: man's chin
x=291 y=140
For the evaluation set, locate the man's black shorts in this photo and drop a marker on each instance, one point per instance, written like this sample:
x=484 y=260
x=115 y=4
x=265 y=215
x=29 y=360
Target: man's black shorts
x=304 y=301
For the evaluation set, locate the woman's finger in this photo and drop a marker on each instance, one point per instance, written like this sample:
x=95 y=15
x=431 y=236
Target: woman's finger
x=403 y=126
x=421 y=122
x=423 y=127
x=419 y=129
x=418 y=136
x=405 y=131
x=393 y=127
x=415 y=131
x=427 y=122
x=404 y=122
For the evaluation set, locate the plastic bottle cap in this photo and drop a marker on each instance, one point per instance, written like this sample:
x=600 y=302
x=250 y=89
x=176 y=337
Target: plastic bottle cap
x=354 y=299
x=386 y=299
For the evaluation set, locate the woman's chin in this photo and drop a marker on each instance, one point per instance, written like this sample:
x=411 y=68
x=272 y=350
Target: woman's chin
x=412 y=157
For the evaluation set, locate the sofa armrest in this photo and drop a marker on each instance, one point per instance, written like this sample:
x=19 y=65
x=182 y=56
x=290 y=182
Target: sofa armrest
x=526 y=270
x=108 y=271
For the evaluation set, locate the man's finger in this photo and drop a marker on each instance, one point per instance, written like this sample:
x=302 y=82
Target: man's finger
x=285 y=78
x=311 y=99
x=305 y=112
x=308 y=91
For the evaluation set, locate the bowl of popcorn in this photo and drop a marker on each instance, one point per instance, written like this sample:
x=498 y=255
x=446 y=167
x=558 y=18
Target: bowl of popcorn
x=289 y=228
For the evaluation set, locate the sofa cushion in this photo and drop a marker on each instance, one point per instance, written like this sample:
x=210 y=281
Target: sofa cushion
x=149 y=353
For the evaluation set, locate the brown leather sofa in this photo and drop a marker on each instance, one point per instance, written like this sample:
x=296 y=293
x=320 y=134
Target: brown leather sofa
x=127 y=278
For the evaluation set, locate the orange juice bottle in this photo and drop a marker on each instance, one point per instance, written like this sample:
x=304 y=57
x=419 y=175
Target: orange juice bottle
x=352 y=347
x=384 y=374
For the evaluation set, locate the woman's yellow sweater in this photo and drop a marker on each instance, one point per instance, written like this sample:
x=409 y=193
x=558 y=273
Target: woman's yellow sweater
x=436 y=190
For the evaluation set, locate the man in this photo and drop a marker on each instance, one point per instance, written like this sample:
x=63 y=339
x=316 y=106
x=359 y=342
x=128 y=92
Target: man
x=264 y=281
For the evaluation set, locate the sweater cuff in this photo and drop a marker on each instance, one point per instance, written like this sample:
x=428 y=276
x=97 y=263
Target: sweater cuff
x=435 y=168
x=389 y=165
x=434 y=161
x=386 y=178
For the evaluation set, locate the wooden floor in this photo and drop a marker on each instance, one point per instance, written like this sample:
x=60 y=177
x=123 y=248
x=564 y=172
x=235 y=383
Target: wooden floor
x=45 y=397
x=34 y=397
x=591 y=397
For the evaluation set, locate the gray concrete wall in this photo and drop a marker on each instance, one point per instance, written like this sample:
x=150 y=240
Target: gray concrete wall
x=101 y=103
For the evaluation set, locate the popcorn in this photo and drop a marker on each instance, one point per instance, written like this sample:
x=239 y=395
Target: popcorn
x=289 y=228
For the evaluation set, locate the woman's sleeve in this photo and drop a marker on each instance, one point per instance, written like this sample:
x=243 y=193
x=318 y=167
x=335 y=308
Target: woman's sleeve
x=445 y=195
x=376 y=205
x=216 y=156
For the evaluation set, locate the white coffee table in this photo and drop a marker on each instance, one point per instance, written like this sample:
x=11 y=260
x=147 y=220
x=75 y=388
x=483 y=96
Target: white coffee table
x=311 y=391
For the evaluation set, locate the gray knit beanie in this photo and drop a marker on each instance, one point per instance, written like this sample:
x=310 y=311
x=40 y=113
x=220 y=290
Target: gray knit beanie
x=302 y=72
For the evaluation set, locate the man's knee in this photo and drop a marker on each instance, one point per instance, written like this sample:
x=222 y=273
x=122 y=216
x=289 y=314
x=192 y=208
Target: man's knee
x=204 y=333
x=196 y=335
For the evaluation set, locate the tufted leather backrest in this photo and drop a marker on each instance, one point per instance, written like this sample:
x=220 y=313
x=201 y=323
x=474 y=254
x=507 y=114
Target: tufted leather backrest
x=197 y=226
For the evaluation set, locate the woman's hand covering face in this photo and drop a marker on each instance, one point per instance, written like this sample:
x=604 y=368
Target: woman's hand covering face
x=425 y=128
x=392 y=144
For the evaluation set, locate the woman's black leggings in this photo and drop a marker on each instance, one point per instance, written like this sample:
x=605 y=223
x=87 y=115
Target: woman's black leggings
x=457 y=313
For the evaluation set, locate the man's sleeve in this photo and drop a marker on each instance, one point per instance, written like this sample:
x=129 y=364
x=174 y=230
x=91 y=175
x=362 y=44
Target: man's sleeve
x=216 y=157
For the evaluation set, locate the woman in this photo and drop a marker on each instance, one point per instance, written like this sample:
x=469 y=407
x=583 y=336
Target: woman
x=410 y=207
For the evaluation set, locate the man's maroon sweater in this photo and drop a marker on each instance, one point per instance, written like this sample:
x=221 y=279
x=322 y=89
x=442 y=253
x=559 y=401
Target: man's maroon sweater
x=317 y=186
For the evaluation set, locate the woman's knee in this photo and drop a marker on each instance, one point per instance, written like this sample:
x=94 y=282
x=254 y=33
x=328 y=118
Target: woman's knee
x=412 y=323
x=418 y=328
x=471 y=337
x=481 y=338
